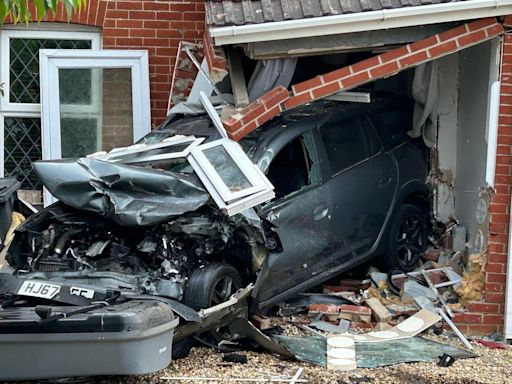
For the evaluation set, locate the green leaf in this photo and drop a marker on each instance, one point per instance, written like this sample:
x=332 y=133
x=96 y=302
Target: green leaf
x=19 y=10
x=40 y=8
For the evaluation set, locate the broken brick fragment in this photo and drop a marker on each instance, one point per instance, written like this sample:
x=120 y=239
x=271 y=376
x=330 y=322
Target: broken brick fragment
x=355 y=313
x=325 y=309
x=247 y=119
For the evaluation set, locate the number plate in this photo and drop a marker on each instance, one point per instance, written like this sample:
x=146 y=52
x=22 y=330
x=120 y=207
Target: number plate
x=38 y=289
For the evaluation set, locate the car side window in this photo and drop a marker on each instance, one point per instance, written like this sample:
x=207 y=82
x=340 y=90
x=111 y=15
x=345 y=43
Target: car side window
x=395 y=123
x=345 y=143
x=294 y=167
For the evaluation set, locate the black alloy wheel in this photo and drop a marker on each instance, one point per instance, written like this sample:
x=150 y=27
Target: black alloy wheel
x=407 y=239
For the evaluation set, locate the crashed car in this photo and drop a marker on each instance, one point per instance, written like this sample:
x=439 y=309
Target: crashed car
x=177 y=228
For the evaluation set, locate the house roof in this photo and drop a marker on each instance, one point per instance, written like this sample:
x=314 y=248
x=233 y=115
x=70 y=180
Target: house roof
x=221 y=13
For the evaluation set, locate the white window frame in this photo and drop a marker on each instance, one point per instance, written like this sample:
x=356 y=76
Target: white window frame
x=51 y=60
x=27 y=110
x=115 y=154
x=230 y=202
x=239 y=157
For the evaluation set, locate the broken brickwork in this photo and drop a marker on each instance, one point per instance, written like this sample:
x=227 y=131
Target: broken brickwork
x=384 y=65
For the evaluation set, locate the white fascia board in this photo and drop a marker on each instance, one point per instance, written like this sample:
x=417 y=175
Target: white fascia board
x=361 y=21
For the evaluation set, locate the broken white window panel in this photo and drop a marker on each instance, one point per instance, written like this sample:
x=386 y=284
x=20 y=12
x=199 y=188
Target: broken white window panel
x=212 y=113
x=229 y=169
x=226 y=203
x=354 y=97
x=232 y=208
x=454 y=328
x=191 y=56
x=182 y=147
x=167 y=155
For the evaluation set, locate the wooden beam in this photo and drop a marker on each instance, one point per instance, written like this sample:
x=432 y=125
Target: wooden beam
x=236 y=74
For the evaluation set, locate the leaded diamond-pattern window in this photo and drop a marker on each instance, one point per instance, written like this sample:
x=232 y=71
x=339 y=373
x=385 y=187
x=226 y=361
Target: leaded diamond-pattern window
x=22 y=146
x=24 y=65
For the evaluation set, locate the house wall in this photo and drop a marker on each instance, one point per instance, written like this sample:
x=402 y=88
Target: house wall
x=446 y=161
x=474 y=71
x=156 y=26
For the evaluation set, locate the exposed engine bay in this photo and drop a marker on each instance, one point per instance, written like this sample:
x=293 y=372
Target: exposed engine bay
x=64 y=244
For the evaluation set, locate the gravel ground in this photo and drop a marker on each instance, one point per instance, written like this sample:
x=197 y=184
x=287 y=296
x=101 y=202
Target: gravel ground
x=492 y=366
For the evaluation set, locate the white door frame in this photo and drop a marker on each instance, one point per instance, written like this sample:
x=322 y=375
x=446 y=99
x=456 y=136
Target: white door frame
x=51 y=60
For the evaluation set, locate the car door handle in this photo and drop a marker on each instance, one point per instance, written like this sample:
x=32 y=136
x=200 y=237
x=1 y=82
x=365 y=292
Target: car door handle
x=320 y=211
x=383 y=183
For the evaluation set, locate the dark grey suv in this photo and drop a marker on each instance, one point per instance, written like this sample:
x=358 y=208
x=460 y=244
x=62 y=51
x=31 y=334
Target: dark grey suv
x=350 y=185
x=106 y=271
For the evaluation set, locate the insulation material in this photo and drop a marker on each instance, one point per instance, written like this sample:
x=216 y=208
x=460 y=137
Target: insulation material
x=410 y=327
x=472 y=286
x=270 y=74
x=425 y=90
x=16 y=219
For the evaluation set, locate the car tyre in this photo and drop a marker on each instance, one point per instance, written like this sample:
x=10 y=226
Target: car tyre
x=181 y=348
x=407 y=239
x=212 y=285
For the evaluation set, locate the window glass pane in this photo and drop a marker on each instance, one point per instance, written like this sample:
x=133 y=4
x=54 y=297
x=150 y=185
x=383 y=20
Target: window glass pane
x=24 y=65
x=79 y=136
x=75 y=86
x=371 y=139
x=290 y=169
x=396 y=124
x=227 y=169
x=344 y=143
x=95 y=110
x=22 y=146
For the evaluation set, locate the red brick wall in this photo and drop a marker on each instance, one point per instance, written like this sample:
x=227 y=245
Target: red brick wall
x=154 y=25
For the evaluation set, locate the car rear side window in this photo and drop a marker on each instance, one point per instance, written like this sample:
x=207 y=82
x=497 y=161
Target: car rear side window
x=345 y=143
x=395 y=123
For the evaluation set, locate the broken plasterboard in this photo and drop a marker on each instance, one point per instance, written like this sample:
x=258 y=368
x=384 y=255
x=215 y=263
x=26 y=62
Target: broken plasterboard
x=410 y=327
x=341 y=353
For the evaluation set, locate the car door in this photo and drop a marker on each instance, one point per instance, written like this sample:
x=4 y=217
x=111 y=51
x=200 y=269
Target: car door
x=300 y=217
x=362 y=183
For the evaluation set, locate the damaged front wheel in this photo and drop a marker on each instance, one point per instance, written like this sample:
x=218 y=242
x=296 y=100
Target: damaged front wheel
x=212 y=285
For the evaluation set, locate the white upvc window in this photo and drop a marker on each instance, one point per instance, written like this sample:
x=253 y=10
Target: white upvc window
x=232 y=179
x=20 y=108
x=174 y=147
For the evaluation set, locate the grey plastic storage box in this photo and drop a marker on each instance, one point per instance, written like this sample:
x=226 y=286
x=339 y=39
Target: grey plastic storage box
x=8 y=187
x=127 y=339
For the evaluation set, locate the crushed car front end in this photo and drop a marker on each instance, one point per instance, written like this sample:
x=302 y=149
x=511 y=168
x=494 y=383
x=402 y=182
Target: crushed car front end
x=97 y=283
